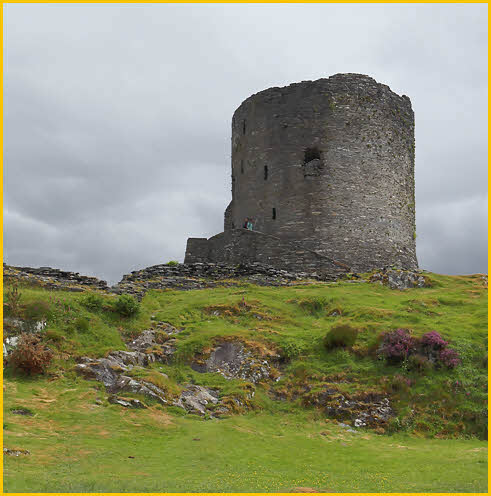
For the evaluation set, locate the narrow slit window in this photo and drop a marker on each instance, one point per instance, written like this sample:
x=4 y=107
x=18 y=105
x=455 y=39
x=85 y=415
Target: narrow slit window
x=311 y=154
x=265 y=172
x=243 y=126
x=242 y=167
x=274 y=213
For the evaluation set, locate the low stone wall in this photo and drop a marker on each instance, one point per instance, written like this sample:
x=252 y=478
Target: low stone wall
x=50 y=278
x=201 y=275
x=244 y=246
x=207 y=275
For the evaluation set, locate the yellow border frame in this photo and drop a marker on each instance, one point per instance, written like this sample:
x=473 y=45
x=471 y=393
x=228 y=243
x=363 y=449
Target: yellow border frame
x=1 y=235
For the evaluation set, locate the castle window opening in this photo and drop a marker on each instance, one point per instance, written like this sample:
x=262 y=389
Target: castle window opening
x=310 y=154
x=243 y=126
x=242 y=167
x=274 y=213
x=265 y=172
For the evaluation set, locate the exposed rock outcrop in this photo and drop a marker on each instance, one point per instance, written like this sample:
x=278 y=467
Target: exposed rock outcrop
x=233 y=360
x=361 y=410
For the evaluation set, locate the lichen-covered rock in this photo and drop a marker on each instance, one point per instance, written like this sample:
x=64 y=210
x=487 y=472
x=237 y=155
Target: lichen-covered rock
x=109 y=371
x=198 y=399
x=235 y=361
x=130 y=385
x=156 y=343
x=400 y=279
x=362 y=410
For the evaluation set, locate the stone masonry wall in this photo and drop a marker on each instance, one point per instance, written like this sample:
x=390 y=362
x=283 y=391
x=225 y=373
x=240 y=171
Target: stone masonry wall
x=329 y=163
x=237 y=246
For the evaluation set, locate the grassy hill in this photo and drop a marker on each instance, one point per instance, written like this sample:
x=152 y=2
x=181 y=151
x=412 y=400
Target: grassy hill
x=281 y=436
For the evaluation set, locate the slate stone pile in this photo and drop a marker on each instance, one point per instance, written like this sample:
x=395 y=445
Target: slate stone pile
x=206 y=275
x=50 y=278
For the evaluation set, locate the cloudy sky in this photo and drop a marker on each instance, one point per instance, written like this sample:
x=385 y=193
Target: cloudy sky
x=117 y=119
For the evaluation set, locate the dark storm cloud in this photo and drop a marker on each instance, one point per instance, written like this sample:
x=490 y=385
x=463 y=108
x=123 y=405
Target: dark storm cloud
x=117 y=119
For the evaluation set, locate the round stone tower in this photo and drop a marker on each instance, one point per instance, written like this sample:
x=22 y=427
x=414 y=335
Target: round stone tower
x=329 y=163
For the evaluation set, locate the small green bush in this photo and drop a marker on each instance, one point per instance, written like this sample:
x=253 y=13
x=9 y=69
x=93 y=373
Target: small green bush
x=93 y=301
x=340 y=336
x=172 y=263
x=126 y=306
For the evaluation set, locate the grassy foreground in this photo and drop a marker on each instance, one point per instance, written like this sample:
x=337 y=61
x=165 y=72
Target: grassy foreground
x=80 y=443
x=79 y=446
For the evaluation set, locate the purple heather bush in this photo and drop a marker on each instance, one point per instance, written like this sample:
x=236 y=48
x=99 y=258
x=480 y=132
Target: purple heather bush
x=433 y=341
x=398 y=346
x=449 y=357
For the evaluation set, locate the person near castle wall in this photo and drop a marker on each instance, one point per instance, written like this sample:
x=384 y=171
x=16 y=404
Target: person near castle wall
x=246 y=222
x=250 y=224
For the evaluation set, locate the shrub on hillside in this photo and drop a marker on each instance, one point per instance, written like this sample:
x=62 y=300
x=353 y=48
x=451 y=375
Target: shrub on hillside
x=397 y=345
x=449 y=358
x=417 y=353
x=431 y=344
x=126 y=306
x=340 y=336
x=31 y=355
x=93 y=301
x=172 y=263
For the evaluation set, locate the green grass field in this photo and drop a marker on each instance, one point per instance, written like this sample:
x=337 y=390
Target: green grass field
x=435 y=443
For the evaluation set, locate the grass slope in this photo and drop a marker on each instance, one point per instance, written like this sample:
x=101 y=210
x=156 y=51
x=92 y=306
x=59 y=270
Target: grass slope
x=433 y=444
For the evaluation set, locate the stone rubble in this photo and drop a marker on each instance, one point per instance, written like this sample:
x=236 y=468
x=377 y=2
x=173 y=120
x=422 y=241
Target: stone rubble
x=400 y=279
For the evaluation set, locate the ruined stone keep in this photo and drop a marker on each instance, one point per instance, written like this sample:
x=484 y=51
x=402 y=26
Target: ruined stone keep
x=326 y=171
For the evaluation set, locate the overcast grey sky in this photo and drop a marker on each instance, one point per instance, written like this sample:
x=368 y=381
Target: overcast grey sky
x=117 y=119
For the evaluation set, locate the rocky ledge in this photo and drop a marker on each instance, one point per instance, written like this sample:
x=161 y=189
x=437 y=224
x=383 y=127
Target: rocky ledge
x=50 y=278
